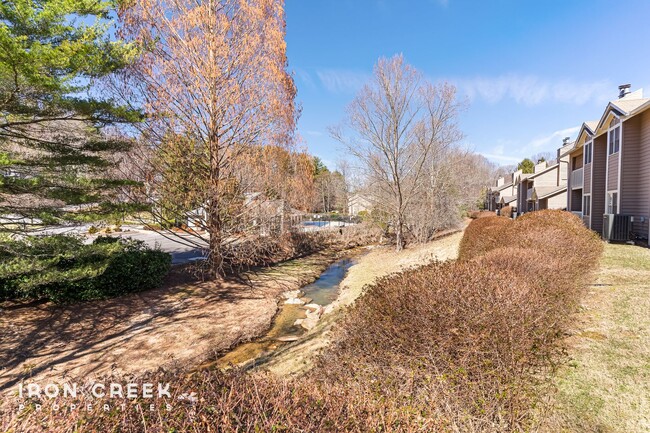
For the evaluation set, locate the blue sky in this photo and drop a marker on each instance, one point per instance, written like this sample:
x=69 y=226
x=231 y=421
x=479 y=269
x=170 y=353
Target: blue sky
x=532 y=70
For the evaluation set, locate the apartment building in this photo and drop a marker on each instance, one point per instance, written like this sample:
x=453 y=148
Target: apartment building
x=610 y=166
x=502 y=193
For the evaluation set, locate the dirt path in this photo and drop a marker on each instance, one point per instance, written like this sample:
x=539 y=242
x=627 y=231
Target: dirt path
x=605 y=386
x=380 y=261
x=183 y=324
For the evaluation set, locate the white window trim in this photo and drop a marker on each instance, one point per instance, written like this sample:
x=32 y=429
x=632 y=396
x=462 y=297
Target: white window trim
x=618 y=200
x=620 y=166
x=584 y=196
x=591 y=189
x=619 y=124
x=589 y=144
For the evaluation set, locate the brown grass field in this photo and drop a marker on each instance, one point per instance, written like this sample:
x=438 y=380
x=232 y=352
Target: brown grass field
x=605 y=384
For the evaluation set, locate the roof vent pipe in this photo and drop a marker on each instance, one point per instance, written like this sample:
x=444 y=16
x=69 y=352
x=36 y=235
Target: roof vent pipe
x=624 y=89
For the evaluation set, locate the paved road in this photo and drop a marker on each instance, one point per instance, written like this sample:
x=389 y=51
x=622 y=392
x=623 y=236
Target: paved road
x=183 y=252
x=179 y=246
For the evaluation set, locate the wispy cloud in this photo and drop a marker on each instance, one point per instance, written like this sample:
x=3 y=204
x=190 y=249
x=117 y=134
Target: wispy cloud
x=342 y=81
x=553 y=140
x=501 y=159
x=500 y=153
x=512 y=152
x=531 y=90
x=304 y=77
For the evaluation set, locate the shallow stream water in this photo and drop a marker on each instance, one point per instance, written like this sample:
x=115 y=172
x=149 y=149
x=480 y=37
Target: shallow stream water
x=283 y=330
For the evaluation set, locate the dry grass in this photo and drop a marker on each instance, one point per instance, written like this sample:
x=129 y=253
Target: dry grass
x=605 y=385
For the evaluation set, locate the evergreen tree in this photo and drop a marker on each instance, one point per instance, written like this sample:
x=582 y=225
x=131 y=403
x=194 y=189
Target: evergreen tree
x=319 y=167
x=57 y=163
x=526 y=166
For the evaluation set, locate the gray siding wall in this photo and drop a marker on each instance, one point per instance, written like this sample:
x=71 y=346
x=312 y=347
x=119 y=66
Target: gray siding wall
x=612 y=172
x=557 y=201
x=549 y=178
x=635 y=170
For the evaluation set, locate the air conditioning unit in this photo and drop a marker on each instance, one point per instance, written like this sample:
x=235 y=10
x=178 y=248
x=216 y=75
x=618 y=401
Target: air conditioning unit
x=617 y=227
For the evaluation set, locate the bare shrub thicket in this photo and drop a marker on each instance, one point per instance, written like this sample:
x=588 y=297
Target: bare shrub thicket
x=268 y=250
x=456 y=346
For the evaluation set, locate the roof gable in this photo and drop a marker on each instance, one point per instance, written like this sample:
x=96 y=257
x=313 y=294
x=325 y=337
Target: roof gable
x=585 y=133
x=542 y=192
x=611 y=112
x=623 y=108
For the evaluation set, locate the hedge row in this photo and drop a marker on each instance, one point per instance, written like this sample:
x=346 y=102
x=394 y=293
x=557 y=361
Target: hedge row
x=64 y=269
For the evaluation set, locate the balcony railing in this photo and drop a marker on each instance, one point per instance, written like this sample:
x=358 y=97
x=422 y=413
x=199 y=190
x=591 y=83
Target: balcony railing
x=577 y=178
x=577 y=213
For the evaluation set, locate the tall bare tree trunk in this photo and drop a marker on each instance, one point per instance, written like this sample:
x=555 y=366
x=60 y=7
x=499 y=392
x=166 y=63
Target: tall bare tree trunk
x=215 y=230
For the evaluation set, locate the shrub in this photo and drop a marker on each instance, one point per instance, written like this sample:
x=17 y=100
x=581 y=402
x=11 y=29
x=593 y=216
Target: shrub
x=470 y=341
x=63 y=268
x=483 y=234
x=506 y=211
x=267 y=250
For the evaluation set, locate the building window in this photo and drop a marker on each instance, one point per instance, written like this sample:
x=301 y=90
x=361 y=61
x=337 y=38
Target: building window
x=612 y=202
x=586 y=205
x=614 y=142
x=588 y=152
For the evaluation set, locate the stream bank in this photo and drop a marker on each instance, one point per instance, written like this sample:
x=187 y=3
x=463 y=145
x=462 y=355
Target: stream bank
x=298 y=312
x=302 y=327
x=295 y=359
x=179 y=325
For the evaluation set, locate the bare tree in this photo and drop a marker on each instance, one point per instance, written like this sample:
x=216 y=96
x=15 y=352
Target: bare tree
x=399 y=127
x=543 y=156
x=213 y=81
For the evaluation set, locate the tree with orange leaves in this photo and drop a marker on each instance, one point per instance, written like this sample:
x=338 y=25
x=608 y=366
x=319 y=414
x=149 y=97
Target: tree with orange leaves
x=212 y=78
